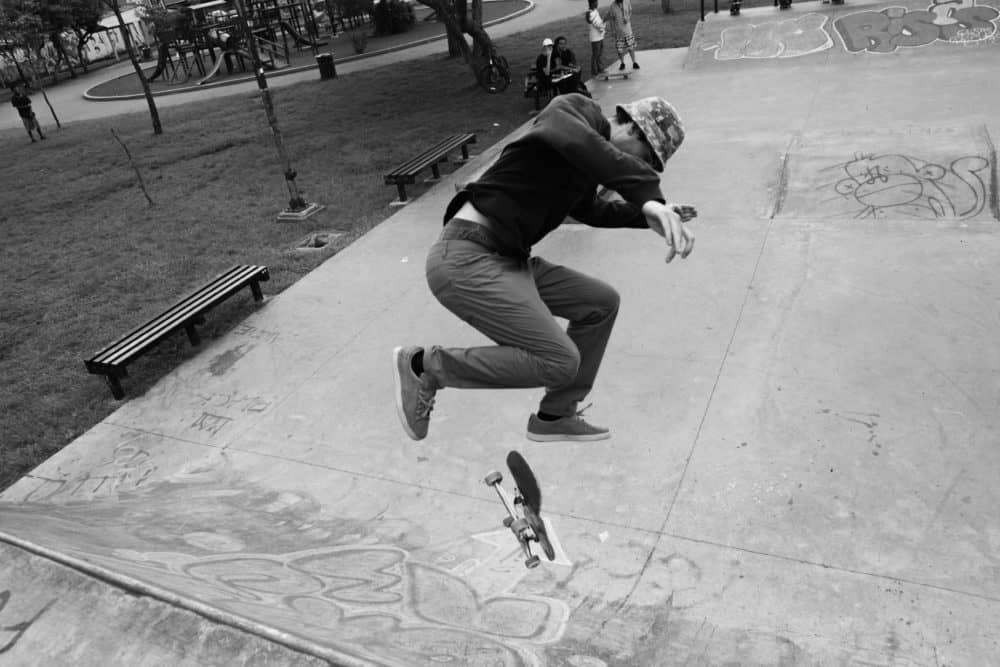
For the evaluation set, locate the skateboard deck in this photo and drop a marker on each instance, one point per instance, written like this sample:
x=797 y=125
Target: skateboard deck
x=524 y=509
x=616 y=74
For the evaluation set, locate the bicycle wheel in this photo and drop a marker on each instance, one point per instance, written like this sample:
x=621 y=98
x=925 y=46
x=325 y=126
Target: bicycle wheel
x=492 y=79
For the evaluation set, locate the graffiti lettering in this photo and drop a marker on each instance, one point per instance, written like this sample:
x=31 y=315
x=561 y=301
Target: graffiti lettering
x=18 y=629
x=126 y=469
x=776 y=39
x=886 y=30
x=210 y=423
x=235 y=401
x=375 y=598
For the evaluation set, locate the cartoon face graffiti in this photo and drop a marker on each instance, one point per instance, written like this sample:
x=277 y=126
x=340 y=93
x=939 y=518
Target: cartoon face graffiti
x=908 y=187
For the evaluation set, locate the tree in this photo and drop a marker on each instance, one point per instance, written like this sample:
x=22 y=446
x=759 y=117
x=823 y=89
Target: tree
x=56 y=18
x=21 y=26
x=458 y=23
x=84 y=21
x=154 y=114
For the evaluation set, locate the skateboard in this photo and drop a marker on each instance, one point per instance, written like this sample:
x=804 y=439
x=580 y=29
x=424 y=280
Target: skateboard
x=524 y=509
x=615 y=74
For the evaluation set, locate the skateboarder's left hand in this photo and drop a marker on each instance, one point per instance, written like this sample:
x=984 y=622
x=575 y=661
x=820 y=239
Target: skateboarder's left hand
x=667 y=221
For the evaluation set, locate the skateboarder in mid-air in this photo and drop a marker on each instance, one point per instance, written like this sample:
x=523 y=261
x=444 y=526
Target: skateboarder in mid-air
x=482 y=270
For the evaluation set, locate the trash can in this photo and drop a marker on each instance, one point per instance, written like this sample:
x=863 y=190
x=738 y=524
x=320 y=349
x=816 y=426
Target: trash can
x=327 y=70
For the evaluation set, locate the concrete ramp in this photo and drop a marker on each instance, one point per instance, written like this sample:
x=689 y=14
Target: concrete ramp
x=54 y=613
x=920 y=174
x=871 y=34
x=805 y=418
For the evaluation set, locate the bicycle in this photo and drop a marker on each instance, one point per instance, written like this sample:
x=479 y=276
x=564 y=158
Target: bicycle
x=494 y=76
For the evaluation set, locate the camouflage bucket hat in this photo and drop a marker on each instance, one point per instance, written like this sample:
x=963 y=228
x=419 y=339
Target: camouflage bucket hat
x=659 y=123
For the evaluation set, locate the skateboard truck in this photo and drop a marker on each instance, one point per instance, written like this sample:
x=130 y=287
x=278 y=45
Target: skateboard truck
x=523 y=509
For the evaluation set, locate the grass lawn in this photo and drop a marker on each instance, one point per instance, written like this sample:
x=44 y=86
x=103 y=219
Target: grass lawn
x=85 y=258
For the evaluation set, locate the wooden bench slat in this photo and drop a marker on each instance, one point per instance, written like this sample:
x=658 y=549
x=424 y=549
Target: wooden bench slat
x=406 y=172
x=111 y=360
x=179 y=313
x=432 y=154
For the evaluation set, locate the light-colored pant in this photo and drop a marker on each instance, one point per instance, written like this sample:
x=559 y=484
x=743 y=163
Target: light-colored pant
x=513 y=301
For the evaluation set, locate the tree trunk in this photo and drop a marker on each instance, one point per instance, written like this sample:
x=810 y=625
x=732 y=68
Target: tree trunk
x=57 y=42
x=41 y=89
x=295 y=201
x=153 y=113
x=81 y=48
x=458 y=25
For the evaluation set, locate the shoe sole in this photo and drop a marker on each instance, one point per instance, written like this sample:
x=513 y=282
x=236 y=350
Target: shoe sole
x=558 y=437
x=398 y=379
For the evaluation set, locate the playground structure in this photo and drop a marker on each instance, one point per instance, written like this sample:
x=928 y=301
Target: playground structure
x=198 y=39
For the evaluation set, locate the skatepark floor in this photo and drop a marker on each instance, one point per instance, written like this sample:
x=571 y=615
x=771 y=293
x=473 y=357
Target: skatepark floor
x=804 y=413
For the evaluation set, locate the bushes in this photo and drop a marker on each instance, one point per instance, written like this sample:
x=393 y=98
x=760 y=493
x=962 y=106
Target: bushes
x=392 y=17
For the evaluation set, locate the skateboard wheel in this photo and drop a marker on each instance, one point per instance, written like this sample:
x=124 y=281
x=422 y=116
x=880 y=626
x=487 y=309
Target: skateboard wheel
x=493 y=478
x=532 y=562
x=519 y=526
x=507 y=521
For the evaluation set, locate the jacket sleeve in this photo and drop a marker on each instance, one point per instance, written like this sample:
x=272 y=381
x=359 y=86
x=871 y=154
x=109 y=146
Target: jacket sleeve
x=575 y=127
x=600 y=212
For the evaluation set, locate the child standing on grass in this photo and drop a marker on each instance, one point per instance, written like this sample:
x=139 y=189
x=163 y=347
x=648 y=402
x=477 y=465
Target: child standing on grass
x=22 y=103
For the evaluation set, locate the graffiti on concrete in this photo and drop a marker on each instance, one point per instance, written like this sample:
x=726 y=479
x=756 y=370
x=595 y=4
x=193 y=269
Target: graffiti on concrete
x=893 y=184
x=371 y=600
x=11 y=634
x=381 y=589
x=210 y=423
x=872 y=31
x=126 y=469
x=775 y=39
x=890 y=28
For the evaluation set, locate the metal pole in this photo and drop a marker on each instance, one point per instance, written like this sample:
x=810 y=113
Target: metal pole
x=297 y=207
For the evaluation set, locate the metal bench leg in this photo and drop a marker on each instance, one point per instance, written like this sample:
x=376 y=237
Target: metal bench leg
x=255 y=288
x=437 y=170
x=115 y=385
x=465 y=152
x=192 y=334
x=402 y=191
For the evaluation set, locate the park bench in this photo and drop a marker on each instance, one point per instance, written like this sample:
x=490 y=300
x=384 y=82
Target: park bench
x=406 y=173
x=111 y=361
x=534 y=88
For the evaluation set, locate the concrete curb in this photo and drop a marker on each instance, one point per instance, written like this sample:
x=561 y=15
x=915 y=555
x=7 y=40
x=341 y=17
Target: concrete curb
x=206 y=611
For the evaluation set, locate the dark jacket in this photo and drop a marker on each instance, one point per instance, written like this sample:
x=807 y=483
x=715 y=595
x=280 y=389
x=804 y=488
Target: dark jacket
x=23 y=105
x=553 y=171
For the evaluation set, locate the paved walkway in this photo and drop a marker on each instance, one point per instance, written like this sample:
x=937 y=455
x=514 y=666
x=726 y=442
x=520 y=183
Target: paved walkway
x=805 y=412
x=68 y=97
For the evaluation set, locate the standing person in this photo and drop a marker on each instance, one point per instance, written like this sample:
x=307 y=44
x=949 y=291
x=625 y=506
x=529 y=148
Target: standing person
x=22 y=103
x=597 y=30
x=482 y=269
x=620 y=18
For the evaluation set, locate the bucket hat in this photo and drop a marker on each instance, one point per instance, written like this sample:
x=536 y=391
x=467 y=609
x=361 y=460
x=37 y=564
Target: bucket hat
x=659 y=123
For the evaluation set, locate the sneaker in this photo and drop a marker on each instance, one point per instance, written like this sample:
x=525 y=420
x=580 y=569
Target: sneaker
x=572 y=428
x=621 y=67
x=414 y=399
x=635 y=65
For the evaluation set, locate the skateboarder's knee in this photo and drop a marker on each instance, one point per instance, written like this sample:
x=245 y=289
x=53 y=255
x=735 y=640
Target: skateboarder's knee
x=559 y=367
